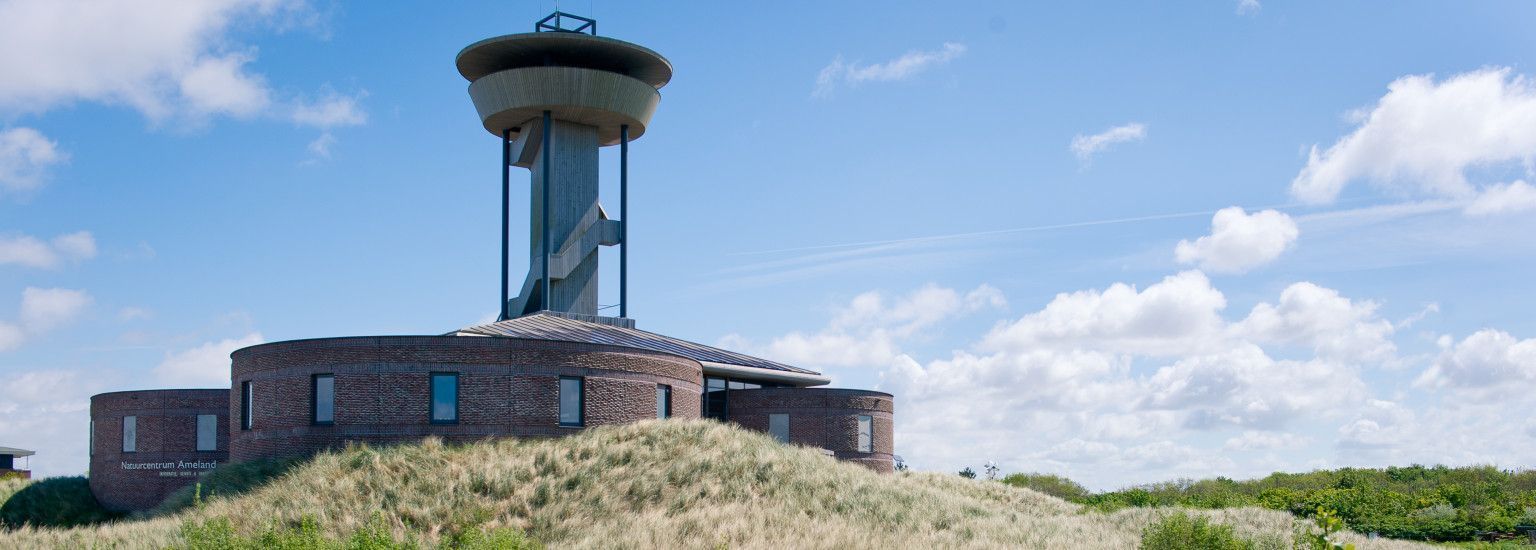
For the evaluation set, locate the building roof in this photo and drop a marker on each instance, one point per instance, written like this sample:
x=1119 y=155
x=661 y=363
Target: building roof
x=546 y=326
x=18 y=453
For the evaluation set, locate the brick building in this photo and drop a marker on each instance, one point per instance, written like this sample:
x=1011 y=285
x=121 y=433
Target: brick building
x=550 y=366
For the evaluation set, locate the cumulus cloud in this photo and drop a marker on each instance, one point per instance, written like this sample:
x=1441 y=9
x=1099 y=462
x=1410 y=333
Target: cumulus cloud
x=1123 y=383
x=1085 y=147
x=1329 y=324
x=162 y=57
x=1485 y=360
x=42 y=310
x=1248 y=7
x=206 y=365
x=25 y=157
x=1424 y=135
x=28 y=251
x=47 y=411
x=844 y=73
x=1240 y=241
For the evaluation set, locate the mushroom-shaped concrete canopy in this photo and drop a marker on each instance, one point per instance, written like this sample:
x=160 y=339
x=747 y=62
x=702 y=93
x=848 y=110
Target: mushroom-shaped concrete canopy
x=581 y=78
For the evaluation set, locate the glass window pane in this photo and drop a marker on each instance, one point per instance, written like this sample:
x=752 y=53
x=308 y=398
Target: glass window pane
x=737 y=385
x=778 y=426
x=866 y=434
x=715 y=383
x=663 y=401
x=245 y=405
x=325 y=399
x=570 y=402
x=445 y=397
x=750 y=386
x=130 y=434
x=207 y=432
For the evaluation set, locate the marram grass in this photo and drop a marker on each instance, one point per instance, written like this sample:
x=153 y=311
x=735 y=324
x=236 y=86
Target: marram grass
x=655 y=484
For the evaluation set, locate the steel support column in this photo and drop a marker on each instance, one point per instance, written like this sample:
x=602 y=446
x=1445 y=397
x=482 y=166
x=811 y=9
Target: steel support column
x=624 y=220
x=544 y=221
x=506 y=199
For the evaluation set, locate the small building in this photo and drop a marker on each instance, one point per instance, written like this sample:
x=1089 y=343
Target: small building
x=8 y=466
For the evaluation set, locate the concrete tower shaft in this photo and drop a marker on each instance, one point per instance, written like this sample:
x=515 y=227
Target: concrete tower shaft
x=554 y=98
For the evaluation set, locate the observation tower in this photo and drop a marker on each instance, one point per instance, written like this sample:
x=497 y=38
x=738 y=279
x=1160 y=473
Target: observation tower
x=554 y=96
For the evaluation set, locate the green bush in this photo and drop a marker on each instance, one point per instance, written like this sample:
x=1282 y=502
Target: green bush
x=51 y=502
x=1050 y=484
x=1179 y=531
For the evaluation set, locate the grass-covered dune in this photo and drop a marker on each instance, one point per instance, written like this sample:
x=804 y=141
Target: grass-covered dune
x=668 y=484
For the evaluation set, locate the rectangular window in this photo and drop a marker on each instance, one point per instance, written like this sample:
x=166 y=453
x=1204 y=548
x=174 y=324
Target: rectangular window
x=207 y=432
x=245 y=405
x=130 y=434
x=91 y=450
x=663 y=401
x=866 y=434
x=714 y=398
x=445 y=398
x=323 y=396
x=571 y=413
x=778 y=426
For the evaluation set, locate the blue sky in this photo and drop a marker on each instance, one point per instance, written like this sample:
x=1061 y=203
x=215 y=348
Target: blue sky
x=1006 y=214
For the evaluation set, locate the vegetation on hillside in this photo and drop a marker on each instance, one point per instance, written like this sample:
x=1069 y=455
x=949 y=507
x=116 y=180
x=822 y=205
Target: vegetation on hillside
x=1415 y=502
x=53 y=502
x=669 y=484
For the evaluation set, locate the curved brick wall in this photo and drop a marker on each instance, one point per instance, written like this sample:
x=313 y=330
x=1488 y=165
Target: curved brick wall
x=507 y=386
x=166 y=456
x=822 y=417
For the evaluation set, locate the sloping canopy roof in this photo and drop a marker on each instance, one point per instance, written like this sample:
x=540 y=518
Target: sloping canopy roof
x=15 y=452
x=552 y=327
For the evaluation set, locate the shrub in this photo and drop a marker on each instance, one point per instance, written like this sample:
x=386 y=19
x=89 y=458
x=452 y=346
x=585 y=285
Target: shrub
x=968 y=473
x=1050 y=484
x=51 y=502
x=1179 y=531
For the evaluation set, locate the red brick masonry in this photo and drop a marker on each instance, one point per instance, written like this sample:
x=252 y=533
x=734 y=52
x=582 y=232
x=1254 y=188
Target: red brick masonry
x=507 y=387
x=166 y=458
x=823 y=417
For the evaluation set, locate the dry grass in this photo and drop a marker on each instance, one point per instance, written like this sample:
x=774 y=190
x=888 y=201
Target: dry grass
x=671 y=484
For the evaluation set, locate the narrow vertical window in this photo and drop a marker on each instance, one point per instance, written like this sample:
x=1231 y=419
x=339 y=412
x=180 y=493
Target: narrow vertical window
x=445 y=398
x=866 y=434
x=245 y=405
x=778 y=426
x=323 y=397
x=130 y=434
x=663 y=401
x=207 y=432
x=91 y=450
x=571 y=413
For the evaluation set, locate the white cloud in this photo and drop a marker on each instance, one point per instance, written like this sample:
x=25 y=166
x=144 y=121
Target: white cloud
x=30 y=251
x=842 y=73
x=203 y=366
x=1486 y=360
x=47 y=411
x=1239 y=241
x=1330 y=325
x=864 y=332
x=1252 y=440
x=1248 y=7
x=331 y=111
x=164 y=58
x=25 y=156
x=1085 y=147
x=1503 y=198
x=1423 y=136
x=1178 y=315
x=42 y=310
